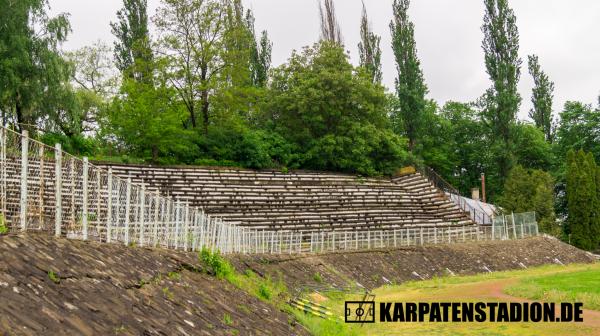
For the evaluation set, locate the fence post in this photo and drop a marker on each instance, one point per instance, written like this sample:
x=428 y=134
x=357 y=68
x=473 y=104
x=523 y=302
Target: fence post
x=202 y=221
x=333 y=241
x=157 y=208
x=142 y=213
x=109 y=189
x=186 y=224
x=84 y=216
x=514 y=226
x=3 y=169
x=58 y=189
x=41 y=191
x=24 y=168
x=127 y=209
x=177 y=223
x=522 y=232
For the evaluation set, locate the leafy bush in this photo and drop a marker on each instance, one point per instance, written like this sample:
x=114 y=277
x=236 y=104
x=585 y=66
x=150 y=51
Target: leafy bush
x=221 y=267
x=77 y=145
x=264 y=291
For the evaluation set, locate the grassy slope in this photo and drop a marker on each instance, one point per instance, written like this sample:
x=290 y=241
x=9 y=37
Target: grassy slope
x=582 y=286
x=465 y=289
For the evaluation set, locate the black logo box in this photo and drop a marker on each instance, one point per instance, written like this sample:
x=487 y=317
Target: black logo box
x=362 y=311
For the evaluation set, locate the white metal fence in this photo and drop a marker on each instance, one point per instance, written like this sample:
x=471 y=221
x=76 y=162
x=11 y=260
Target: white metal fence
x=44 y=188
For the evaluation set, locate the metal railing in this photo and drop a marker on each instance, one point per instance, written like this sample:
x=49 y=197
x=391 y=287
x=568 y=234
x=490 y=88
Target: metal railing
x=43 y=188
x=477 y=215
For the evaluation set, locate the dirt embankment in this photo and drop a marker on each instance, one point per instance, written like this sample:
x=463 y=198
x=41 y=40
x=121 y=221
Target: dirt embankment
x=376 y=268
x=64 y=287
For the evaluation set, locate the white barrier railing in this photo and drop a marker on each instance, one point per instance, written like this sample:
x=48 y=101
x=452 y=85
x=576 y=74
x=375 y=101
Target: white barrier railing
x=45 y=188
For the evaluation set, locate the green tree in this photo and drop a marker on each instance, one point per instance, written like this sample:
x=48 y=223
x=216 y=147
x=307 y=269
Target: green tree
x=95 y=82
x=579 y=128
x=260 y=62
x=503 y=65
x=369 y=49
x=531 y=190
x=410 y=86
x=531 y=149
x=542 y=95
x=192 y=40
x=33 y=74
x=147 y=121
x=583 y=221
x=467 y=146
x=329 y=109
x=132 y=48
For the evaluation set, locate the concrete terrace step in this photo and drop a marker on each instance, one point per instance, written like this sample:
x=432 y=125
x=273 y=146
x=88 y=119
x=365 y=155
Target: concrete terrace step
x=302 y=200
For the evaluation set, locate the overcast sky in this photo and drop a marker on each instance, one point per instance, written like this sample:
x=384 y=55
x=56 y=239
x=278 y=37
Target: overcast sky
x=564 y=34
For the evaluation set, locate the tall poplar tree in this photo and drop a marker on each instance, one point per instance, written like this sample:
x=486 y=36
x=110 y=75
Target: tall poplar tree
x=133 y=52
x=410 y=85
x=542 y=95
x=262 y=47
x=583 y=222
x=369 y=49
x=503 y=65
x=330 y=27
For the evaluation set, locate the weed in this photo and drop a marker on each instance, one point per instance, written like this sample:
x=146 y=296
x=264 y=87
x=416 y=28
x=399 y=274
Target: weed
x=167 y=293
x=227 y=319
x=318 y=278
x=3 y=228
x=244 y=308
x=52 y=276
x=174 y=276
x=264 y=291
x=221 y=267
x=120 y=329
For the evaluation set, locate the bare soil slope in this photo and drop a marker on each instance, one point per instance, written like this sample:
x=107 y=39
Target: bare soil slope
x=54 y=286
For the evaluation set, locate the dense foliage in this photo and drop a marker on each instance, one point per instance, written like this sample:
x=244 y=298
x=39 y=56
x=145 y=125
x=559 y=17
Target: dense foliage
x=203 y=91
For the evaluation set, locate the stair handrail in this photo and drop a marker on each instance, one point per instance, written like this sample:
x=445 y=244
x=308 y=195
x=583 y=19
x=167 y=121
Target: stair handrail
x=439 y=182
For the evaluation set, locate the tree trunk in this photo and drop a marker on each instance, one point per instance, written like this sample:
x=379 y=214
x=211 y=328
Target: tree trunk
x=204 y=97
x=154 y=153
x=205 y=106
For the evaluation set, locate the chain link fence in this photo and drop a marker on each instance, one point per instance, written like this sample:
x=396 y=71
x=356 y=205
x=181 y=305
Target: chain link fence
x=45 y=189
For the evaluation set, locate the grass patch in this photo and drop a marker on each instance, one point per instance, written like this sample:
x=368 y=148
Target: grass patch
x=323 y=327
x=176 y=276
x=227 y=319
x=579 y=286
x=265 y=288
x=221 y=267
x=318 y=278
x=445 y=281
x=462 y=289
x=53 y=277
x=3 y=227
x=167 y=293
